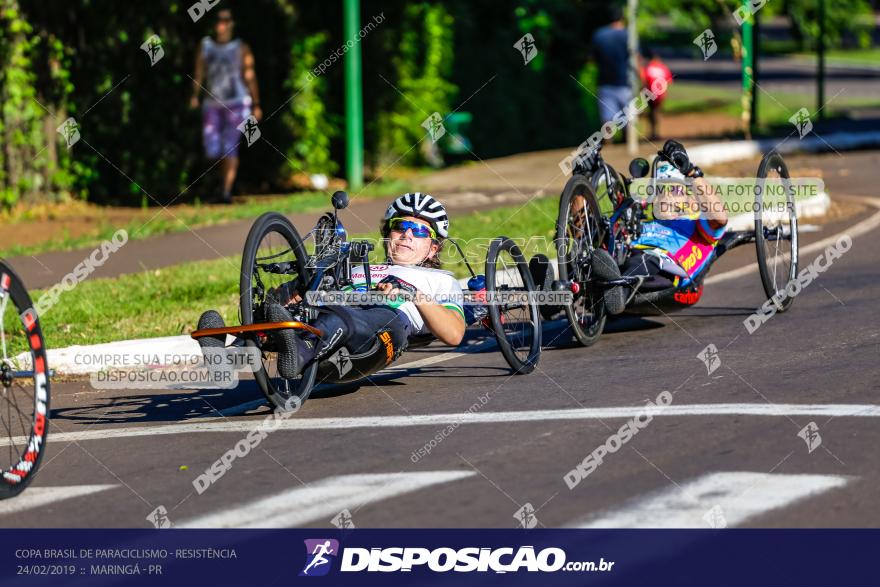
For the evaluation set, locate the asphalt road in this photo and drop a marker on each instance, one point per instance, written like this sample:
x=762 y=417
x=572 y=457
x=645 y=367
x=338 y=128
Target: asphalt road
x=726 y=451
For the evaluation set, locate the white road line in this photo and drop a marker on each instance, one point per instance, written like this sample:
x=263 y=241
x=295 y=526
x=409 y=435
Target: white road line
x=739 y=495
x=34 y=497
x=621 y=412
x=862 y=227
x=322 y=500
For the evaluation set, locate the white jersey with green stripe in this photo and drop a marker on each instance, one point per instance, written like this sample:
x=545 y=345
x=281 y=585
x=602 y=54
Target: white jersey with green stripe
x=440 y=285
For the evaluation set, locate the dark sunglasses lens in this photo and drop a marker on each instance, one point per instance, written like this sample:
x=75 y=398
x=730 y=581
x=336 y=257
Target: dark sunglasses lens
x=418 y=230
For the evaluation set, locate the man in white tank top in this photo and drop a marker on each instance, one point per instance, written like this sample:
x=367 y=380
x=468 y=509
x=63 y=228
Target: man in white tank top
x=225 y=73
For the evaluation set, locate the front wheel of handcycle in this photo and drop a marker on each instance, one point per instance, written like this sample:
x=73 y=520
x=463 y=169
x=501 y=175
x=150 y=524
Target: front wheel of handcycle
x=776 y=230
x=24 y=373
x=579 y=230
x=513 y=309
x=274 y=255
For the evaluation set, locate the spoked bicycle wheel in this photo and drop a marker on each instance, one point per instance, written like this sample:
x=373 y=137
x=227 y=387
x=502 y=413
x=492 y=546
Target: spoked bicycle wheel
x=274 y=256
x=517 y=321
x=609 y=198
x=776 y=230
x=579 y=230
x=24 y=396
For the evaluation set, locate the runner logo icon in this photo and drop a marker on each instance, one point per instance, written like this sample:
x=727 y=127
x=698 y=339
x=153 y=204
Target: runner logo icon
x=320 y=554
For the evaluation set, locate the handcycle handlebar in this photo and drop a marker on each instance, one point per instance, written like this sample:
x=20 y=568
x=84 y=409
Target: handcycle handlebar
x=283 y=268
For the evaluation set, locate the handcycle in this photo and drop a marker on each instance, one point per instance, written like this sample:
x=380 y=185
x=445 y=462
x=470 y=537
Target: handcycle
x=24 y=374
x=275 y=256
x=596 y=210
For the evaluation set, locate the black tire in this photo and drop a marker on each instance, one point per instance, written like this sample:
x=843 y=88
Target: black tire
x=776 y=236
x=517 y=327
x=574 y=242
x=25 y=392
x=273 y=232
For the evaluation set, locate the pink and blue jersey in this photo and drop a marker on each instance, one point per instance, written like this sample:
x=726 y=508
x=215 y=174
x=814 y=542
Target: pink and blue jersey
x=688 y=241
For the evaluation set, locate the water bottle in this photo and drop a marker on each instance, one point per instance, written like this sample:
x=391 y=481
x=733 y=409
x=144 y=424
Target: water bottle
x=477 y=283
x=476 y=311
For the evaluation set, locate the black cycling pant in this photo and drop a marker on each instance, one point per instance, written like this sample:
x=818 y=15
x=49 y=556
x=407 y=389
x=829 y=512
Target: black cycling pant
x=640 y=264
x=357 y=329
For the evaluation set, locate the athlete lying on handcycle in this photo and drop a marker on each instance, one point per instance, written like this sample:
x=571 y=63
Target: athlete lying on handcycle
x=678 y=237
x=421 y=298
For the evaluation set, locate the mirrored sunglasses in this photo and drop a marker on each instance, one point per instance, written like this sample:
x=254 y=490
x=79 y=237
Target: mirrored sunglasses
x=418 y=230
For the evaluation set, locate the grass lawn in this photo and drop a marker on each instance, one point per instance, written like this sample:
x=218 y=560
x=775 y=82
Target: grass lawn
x=165 y=302
x=161 y=302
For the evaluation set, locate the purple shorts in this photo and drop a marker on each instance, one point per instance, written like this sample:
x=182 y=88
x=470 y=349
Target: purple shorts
x=220 y=128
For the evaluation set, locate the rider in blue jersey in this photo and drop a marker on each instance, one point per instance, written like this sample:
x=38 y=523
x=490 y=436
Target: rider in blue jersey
x=677 y=243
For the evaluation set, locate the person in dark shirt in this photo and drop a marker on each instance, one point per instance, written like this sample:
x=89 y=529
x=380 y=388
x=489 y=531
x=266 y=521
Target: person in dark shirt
x=611 y=54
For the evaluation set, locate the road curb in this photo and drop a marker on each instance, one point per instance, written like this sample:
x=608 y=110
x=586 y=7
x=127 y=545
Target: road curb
x=152 y=352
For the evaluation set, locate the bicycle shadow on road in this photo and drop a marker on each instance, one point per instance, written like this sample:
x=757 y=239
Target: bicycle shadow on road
x=395 y=378
x=557 y=333
x=167 y=406
x=175 y=406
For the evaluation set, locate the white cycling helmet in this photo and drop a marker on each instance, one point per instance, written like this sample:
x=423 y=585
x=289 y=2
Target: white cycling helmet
x=424 y=206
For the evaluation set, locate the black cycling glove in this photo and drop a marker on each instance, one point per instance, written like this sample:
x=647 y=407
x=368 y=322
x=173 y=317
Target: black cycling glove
x=675 y=153
x=409 y=290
